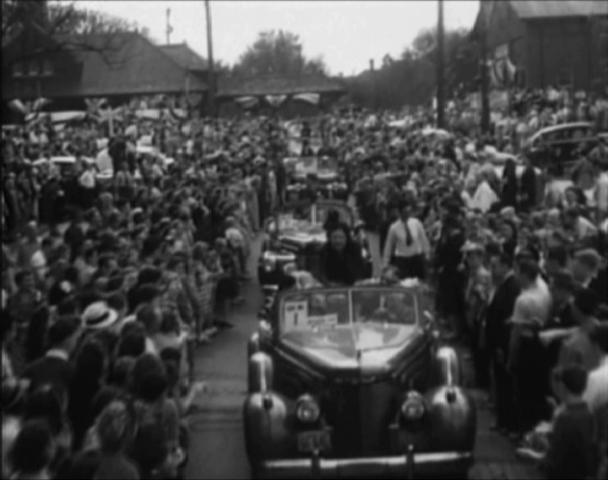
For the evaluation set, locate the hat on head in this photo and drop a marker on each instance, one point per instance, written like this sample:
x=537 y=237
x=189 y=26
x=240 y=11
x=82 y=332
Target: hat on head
x=115 y=283
x=62 y=329
x=98 y=315
x=149 y=274
x=589 y=257
x=470 y=247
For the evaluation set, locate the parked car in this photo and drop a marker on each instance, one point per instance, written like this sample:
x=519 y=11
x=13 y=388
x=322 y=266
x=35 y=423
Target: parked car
x=346 y=382
x=561 y=144
x=296 y=236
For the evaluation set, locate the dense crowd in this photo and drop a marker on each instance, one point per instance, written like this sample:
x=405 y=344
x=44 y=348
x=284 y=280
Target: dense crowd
x=109 y=284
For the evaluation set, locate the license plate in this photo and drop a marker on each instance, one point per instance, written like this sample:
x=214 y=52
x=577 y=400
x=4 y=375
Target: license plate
x=318 y=440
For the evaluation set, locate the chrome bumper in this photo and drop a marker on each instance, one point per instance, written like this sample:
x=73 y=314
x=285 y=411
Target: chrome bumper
x=411 y=465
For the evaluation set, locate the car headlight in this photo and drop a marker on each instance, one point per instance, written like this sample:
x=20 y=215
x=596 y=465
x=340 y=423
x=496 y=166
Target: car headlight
x=307 y=409
x=413 y=407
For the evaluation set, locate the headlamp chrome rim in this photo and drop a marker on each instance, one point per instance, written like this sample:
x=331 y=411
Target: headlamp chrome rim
x=307 y=409
x=413 y=408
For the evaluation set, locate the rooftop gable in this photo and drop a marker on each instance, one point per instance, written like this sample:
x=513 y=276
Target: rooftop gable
x=127 y=63
x=184 y=56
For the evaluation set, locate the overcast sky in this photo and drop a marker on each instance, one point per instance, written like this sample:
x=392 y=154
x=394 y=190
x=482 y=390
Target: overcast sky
x=347 y=34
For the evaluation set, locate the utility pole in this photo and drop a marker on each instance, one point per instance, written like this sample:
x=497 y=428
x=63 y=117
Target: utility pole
x=440 y=67
x=169 y=29
x=211 y=76
x=485 y=83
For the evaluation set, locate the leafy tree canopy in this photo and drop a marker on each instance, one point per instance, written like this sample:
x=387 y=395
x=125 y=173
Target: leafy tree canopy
x=277 y=52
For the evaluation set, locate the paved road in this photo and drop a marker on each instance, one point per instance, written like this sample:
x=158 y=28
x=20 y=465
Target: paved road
x=217 y=444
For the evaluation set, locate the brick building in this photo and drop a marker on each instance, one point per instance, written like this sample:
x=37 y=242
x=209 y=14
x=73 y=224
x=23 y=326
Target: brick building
x=547 y=42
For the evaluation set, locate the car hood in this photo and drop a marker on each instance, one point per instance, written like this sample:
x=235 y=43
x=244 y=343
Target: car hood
x=364 y=347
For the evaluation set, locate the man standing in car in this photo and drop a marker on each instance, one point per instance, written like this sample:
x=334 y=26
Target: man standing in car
x=407 y=245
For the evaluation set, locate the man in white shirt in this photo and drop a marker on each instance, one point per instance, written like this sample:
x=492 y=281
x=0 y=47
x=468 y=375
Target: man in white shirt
x=407 y=246
x=596 y=393
x=531 y=312
x=484 y=196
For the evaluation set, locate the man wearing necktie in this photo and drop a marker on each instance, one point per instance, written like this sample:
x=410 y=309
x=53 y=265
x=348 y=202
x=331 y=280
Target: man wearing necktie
x=407 y=246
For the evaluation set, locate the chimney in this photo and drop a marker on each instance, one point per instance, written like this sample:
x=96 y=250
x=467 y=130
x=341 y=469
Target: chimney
x=371 y=64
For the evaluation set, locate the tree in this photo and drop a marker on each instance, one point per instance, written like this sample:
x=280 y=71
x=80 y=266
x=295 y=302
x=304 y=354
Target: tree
x=277 y=53
x=411 y=80
x=69 y=19
x=57 y=21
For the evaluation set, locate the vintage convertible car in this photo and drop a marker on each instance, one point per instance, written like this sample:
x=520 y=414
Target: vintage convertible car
x=324 y=171
x=352 y=382
x=297 y=236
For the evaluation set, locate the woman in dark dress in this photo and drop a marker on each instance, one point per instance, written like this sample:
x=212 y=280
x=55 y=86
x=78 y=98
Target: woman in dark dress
x=341 y=258
x=509 y=185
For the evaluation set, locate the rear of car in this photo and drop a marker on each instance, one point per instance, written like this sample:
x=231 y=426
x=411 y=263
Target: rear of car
x=561 y=145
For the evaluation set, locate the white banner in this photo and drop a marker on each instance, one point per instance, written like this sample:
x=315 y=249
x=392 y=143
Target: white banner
x=246 y=102
x=312 y=98
x=275 y=100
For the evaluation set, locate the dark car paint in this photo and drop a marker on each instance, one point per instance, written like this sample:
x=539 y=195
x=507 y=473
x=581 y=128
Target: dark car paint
x=360 y=408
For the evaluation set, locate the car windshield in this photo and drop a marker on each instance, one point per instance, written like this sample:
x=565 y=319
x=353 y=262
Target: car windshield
x=354 y=319
x=306 y=218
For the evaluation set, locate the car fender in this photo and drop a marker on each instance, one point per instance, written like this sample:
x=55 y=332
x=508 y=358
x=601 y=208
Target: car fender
x=260 y=370
x=453 y=418
x=452 y=411
x=448 y=368
x=266 y=428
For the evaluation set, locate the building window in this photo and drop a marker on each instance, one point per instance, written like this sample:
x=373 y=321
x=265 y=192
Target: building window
x=34 y=68
x=18 y=70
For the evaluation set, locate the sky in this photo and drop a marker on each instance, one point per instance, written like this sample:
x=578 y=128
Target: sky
x=346 y=34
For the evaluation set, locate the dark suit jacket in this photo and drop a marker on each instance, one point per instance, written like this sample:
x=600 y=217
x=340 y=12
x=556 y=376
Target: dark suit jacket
x=499 y=311
x=49 y=370
x=571 y=451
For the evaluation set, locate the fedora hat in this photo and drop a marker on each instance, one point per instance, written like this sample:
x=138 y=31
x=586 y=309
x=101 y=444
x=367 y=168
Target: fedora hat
x=98 y=315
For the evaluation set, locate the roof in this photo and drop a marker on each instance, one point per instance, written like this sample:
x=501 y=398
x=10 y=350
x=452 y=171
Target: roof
x=184 y=56
x=279 y=85
x=531 y=9
x=125 y=63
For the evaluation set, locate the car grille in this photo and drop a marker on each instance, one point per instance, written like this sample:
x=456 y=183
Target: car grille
x=360 y=415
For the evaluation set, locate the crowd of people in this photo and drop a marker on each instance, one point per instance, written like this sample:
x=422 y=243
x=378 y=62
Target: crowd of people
x=109 y=285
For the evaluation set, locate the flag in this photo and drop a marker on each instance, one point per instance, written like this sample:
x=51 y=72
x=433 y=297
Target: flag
x=40 y=104
x=18 y=106
x=94 y=105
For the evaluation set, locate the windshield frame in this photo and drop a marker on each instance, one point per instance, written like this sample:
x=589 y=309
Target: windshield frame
x=286 y=296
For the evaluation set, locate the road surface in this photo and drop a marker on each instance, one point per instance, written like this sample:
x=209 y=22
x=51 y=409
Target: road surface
x=217 y=446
